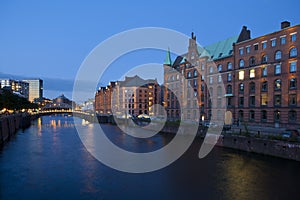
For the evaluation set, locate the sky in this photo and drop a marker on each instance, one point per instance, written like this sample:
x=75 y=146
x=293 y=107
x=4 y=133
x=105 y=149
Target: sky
x=51 y=39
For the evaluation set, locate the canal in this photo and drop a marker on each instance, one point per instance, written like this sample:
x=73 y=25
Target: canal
x=49 y=161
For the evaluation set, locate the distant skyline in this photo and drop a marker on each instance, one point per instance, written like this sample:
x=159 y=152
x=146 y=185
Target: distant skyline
x=50 y=39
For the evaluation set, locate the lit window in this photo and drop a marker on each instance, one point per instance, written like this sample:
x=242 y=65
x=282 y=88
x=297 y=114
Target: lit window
x=229 y=66
x=219 y=68
x=264 y=71
x=264 y=99
x=241 y=63
x=278 y=55
x=293 y=52
x=252 y=73
x=293 y=37
x=273 y=42
x=277 y=69
x=264 y=45
x=283 y=40
x=293 y=83
x=248 y=49
x=293 y=66
x=241 y=50
x=241 y=75
x=277 y=84
x=229 y=77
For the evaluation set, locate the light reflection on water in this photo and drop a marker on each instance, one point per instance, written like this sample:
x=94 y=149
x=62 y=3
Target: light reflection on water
x=49 y=161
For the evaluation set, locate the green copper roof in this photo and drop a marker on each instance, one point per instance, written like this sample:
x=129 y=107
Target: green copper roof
x=168 y=60
x=218 y=50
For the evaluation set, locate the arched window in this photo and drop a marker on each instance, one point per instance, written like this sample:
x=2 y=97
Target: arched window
x=195 y=73
x=189 y=75
x=252 y=87
x=229 y=89
x=292 y=115
x=252 y=61
x=264 y=86
x=277 y=84
x=229 y=66
x=241 y=63
x=293 y=52
x=293 y=83
x=220 y=68
x=264 y=59
x=277 y=55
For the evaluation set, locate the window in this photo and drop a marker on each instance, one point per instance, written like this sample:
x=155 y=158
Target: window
x=189 y=83
x=248 y=49
x=283 y=40
x=293 y=52
x=219 y=68
x=293 y=37
x=264 y=59
x=252 y=61
x=241 y=75
x=241 y=63
x=211 y=91
x=211 y=69
x=252 y=101
x=241 y=87
x=241 y=115
x=252 y=73
x=202 y=77
x=277 y=69
x=277 y=84
x=277 y=55
x=277 y=100
x=202 y=66
x=293 y=83
x=292 y=99
x=195 y=73
x=264 y=71
x=255 y=47
x=292 y=115
x=229 y=101
x=252 y=87
x=241 y=101
x=264 y=86
x=264 y=99
x=229 y=77
x=264 y=115
x=229 y=89
x=251 y=115
x=202 y=87
x=195 y=82
x=229 y=66
x=273 y=43
x=219 y=78
x=264 y=45
x=293 y=67
x=189 y=75
x=276 y=115
x=211 y=80
x=241 y=51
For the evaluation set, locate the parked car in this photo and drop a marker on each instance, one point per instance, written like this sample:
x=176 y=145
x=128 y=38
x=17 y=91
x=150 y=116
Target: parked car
x=291 y=134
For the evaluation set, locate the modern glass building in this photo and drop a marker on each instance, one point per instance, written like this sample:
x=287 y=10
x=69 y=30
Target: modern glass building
x=35 y=89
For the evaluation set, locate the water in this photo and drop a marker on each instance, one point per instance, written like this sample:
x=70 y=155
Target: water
x=48 y=161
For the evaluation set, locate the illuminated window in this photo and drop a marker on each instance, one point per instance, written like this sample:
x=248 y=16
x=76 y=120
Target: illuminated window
x=277 y=69
x=264 y=99
x=277 y=84
x=293 y=66
x=264 y=71
x=278 y=55
x=293 y=52
x=252 y=73
x=241 y=63
x=241 y=75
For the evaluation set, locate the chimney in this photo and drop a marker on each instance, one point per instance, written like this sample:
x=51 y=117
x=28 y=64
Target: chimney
x=244 y=35
x=285 y=24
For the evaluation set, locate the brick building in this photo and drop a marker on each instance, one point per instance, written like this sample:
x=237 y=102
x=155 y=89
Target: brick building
x=132 y=97
x=256 y=78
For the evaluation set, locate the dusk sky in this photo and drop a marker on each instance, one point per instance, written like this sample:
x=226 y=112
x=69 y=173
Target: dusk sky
x=51 y=39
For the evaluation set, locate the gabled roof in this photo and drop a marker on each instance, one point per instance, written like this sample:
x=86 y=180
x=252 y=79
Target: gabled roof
x=136 y=81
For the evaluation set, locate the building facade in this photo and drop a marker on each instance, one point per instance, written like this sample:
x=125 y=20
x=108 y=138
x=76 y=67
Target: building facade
x=132 y=97
x=256 y=78
x=35 y=89
x=18 y=87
